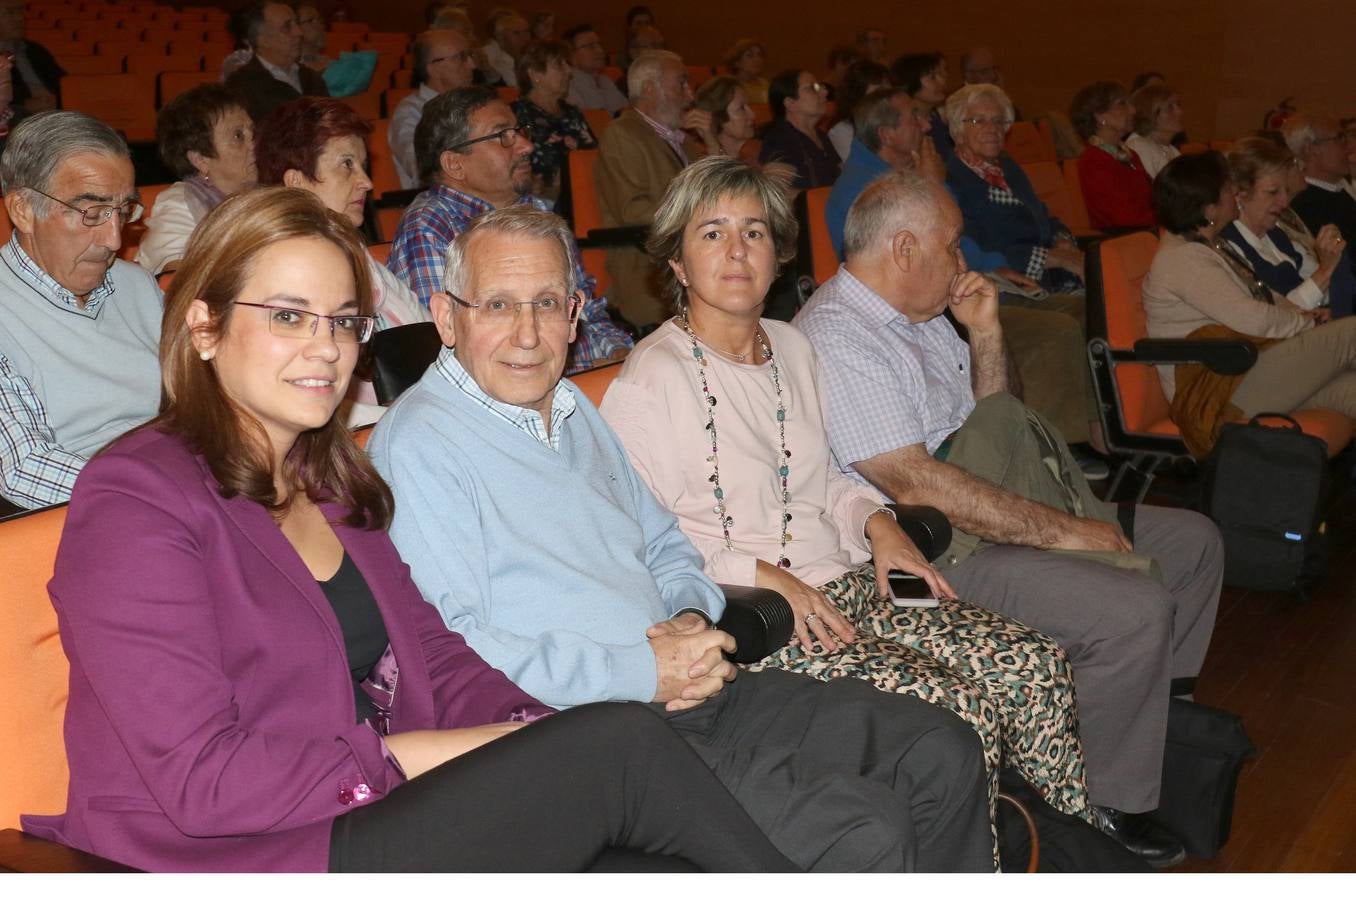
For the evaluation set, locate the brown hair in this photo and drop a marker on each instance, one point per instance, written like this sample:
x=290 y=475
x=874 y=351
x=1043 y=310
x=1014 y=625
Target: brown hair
x=1148 y=102
x=1253 y=157
x=715 y=96
x=537 y=57
x=324 y=462
x=1091 y=102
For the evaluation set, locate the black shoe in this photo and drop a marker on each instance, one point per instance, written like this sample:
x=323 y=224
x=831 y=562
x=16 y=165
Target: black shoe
x=1142 y=837
x=1093 y=464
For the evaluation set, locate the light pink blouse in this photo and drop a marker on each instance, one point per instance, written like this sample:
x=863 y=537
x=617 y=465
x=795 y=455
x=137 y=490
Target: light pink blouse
x=656 y=407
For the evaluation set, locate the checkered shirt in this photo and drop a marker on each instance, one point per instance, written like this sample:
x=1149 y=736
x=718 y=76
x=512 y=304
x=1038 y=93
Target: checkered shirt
x=889 y=383
x=439 y=214
x=528 y=421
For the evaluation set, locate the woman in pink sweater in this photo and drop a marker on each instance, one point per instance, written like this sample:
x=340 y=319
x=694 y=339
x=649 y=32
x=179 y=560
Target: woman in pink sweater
x=720 y=412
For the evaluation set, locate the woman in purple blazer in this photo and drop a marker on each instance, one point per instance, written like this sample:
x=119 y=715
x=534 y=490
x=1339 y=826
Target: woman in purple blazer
x=252 y=670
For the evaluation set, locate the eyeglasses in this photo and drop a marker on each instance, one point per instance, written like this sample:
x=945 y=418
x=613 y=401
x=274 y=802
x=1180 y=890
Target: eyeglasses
x=286 y=322
x=94 y=216
x=461 y=57
x=506 y=138
x=977 y=122
x=812 y=86
x=553 y=310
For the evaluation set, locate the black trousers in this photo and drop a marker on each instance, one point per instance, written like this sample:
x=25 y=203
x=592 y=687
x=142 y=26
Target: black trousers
x=552 y=797
x=846 y=778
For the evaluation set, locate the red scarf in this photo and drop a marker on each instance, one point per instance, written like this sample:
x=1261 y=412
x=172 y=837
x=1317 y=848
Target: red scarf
x=991 y=172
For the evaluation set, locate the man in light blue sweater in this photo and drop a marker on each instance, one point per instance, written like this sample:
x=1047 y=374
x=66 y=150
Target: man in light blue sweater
x=524 y=523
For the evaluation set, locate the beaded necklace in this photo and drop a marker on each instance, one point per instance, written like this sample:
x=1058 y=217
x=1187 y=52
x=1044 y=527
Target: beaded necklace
x=783 y=471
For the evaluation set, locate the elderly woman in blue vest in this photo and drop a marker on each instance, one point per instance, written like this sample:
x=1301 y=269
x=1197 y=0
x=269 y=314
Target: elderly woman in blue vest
x=1001 y=210
x=1308 y=270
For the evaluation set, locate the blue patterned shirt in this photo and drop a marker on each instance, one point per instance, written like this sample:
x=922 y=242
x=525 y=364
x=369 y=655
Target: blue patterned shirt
x=526 y=420
x=441 y=213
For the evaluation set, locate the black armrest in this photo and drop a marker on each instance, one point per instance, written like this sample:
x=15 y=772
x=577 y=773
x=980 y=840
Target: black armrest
x=758 y=619
x=927 y=527
x=622 y=236
x=21 y=852
x=1225 y=356
x=397 y=199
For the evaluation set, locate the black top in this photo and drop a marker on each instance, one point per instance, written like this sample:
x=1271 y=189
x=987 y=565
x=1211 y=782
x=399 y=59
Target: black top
x=365 y=637
x=1319 y=207
x=816 y=165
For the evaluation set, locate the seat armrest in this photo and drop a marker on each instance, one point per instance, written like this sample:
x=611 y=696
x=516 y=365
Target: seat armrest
x=21 y=852
x=926 y=526
x=621 y=236
x=1225 y=356
x=758 y=619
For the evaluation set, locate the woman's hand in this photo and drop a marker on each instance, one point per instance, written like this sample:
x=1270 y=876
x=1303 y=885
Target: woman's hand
x=892 y=549
x=419 y=751
x=1066 y=256
x=824 y=621
x=1328 y=246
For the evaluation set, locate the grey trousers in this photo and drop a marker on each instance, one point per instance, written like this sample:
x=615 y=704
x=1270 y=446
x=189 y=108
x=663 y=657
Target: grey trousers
x=845 y=778
x=1126 y=634
x=1314 y=369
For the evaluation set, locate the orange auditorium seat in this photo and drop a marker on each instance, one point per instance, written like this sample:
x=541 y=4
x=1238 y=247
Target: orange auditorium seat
x=595 y=382
x=123 y=101
x=92 y=65
x=367 y=104
x=381 y=162
x=391 y=97
x=1193 y=147
x=1078 y=209
x=172 y=84
x=1025 y=143
x=762 y=114
x=1053 y=190
x=133 y=232
x=587 y=212
x=823 y=261
x=598 y=120
x=507 y=94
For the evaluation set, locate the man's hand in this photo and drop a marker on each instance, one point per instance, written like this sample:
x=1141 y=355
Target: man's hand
x=974 y=302
x=929 y=162
x=691 y=666
x=683 y=623
x=1091 y=534
x=1066 y=256
x=699 y=121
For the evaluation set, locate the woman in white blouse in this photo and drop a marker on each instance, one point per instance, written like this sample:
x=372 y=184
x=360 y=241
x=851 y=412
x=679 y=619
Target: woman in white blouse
x=1300 y=269
x=720 y=412
x=1158 y=116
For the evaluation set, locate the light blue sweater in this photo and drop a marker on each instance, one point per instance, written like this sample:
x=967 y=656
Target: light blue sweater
x=550 y=564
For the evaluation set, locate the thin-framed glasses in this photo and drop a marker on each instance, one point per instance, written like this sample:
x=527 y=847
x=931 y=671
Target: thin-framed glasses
x=461 y=57
x=976 y=122
x=94 y=216
x=283 y=321
x=552 y=310
x=505 y=137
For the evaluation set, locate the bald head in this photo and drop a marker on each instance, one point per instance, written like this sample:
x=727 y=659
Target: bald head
x=443 y=60
x=892 y=203
x=902 y=240
x=979 y=66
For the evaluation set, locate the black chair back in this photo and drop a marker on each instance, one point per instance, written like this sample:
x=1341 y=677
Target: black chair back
x=400 y=356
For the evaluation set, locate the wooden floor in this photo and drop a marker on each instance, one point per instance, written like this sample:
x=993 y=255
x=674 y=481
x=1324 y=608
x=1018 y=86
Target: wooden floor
x=1289 y=669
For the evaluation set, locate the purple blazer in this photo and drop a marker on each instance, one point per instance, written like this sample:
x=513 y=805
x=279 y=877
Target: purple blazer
x=211 y=717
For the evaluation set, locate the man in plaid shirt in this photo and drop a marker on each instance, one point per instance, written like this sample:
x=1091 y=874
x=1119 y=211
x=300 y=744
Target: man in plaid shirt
x=475 y=158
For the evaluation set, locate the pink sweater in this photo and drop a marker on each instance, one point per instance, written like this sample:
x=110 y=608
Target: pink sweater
x=655 y=405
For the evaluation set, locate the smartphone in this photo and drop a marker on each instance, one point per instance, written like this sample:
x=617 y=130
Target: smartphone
x=910 y=590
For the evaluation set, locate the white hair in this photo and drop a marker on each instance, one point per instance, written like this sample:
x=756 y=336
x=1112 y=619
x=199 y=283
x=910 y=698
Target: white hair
x=958 y=104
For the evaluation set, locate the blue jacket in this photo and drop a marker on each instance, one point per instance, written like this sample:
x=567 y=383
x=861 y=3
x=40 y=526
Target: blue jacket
x=997 y=224
x=863 y=167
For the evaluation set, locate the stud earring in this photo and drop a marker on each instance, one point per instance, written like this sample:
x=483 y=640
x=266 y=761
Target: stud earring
x=205 y=356
x=684 y=282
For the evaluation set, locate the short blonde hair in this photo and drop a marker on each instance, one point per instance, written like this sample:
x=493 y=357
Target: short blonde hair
x=1148 y=102
x=959 y=103
x=698 y=187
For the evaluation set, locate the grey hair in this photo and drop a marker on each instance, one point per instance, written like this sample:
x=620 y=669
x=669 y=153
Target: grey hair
x=521 y=221
x=696 y=189
x=1300 y=131
x=446 y=122
x=874 y=112
x=894 y=202
x=646 y=69
x=959 y=103
x=41 y=143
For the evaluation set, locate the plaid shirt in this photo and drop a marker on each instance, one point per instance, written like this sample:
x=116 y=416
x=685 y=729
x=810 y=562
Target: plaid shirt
x=439 y=214
x=526 y=420
x=889 y=382
x=38 y=471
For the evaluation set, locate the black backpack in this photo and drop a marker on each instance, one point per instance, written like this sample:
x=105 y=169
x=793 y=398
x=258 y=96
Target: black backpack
x=1265 y=489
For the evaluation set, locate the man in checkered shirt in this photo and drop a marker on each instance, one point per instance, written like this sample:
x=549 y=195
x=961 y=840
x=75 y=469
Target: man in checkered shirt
x=475 y=158
x=79 y=328
x=904 y=393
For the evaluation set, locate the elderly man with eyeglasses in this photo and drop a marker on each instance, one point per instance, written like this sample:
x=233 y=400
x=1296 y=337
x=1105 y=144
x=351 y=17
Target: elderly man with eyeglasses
x=474 y=157
x=79 y=329
x=443 y=61
x=525 y=524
